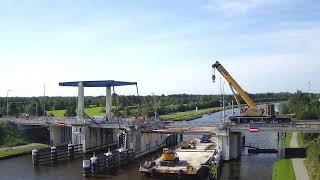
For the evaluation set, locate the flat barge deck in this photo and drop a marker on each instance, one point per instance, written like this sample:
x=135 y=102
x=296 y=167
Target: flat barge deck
x=200 y=161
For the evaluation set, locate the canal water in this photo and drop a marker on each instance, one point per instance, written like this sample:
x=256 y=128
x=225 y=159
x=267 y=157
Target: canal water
x=249 y=166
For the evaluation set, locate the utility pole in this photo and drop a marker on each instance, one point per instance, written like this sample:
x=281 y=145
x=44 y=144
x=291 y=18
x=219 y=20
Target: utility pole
x=44 y=99
x=36 y=108
x=155 y=106
x=309 y=89
x=221 y=100
x=232 y=108
x=8 y=101
x=224 y=112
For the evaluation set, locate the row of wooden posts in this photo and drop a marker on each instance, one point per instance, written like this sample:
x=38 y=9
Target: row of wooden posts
x=56 y=153
x=107 y=162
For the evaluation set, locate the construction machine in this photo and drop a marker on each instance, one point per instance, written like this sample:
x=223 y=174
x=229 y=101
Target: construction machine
x=168 y=158
x=252 y=109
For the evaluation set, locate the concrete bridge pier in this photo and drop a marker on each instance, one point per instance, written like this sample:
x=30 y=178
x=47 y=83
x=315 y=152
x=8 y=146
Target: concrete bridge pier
x=281 y=145
x=60 y=135
x=92 y=137
x=143 y=143
x=229 y=144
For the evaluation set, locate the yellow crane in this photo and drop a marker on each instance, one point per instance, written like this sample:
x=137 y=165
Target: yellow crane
x=253 y=109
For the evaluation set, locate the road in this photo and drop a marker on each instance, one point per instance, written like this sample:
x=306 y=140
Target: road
x=298 y=163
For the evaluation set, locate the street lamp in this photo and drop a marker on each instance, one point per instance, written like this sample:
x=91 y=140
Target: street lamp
x=8 y=101
x=155 y=106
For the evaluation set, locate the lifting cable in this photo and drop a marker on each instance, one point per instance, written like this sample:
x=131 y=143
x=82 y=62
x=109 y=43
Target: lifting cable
x=140 y=104
x=116 y=104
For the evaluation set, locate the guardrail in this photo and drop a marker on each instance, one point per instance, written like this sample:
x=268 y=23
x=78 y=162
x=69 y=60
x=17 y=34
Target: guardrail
x=300 y=126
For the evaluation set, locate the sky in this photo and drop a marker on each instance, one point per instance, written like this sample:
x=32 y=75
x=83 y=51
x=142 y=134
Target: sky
x=167 y=46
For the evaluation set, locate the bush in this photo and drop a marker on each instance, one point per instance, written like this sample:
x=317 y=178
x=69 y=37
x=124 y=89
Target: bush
x=9 y=136
x=313 y=160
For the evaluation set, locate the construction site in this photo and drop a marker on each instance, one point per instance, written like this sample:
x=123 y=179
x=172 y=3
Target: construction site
x=112 y=142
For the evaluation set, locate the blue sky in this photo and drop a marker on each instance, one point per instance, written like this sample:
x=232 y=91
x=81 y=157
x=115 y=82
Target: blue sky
x=167 y=46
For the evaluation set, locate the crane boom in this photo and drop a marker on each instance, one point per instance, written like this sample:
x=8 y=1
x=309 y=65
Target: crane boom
x=253 y=109
x=234 y=84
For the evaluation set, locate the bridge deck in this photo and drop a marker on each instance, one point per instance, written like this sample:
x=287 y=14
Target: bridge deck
x=170 y=128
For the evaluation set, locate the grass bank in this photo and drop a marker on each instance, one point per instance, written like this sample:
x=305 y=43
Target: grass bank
x=181 y=116
x=288 y=139
x=312 y=162
x=93 y=111
x=283 y=170
x=16 y=151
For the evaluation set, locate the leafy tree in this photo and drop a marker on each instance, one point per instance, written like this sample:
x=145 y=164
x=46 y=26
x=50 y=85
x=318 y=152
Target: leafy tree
x=70 y=111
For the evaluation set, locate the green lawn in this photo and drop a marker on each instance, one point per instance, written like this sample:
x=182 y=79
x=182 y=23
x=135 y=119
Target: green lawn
x=28 y=148
x=283 y=170
x=181 y=116
x=93 y=111
x=288 y=139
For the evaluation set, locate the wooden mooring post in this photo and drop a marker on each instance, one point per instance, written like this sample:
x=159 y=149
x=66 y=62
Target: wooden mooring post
x=107 y=162
x=54 y=154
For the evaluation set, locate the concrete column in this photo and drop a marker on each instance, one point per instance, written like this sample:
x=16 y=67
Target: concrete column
x=55 y=135
x=80 y=108
x=281 y=145
x=224 y=145
x=235 y=144
x=108 y=101
x=181 y=137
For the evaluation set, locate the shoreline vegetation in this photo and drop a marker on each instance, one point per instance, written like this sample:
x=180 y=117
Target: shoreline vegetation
x=189 y=115
x=16 y=151
x=178 y=116
x=312 y=143
x=283 y=170
x=14 y=143
x=303 y=106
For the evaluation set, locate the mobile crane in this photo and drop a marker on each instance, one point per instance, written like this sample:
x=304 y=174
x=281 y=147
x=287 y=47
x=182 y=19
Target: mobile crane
x=253 y=109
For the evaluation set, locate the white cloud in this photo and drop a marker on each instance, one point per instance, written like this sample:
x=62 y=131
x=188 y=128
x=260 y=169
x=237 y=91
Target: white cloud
x=243 y=6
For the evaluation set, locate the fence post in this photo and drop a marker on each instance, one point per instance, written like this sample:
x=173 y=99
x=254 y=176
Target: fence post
x=70 y=151
x=35 y=157
x=53 y=154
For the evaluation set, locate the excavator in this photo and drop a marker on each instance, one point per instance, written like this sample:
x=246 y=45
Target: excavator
x=169 y=158
x=252 y=109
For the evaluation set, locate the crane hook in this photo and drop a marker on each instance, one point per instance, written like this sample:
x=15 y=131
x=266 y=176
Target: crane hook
x=214 y=75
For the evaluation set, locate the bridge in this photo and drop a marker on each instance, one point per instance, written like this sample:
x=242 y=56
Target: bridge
x=229 y=134
x=214 y=128
x=147 y=135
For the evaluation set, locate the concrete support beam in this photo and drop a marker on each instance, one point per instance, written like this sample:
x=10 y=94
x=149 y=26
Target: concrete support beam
x=108 y=101
x=80 y=108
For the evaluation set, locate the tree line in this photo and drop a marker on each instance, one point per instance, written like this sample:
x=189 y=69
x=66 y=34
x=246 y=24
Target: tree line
x=126 y=105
